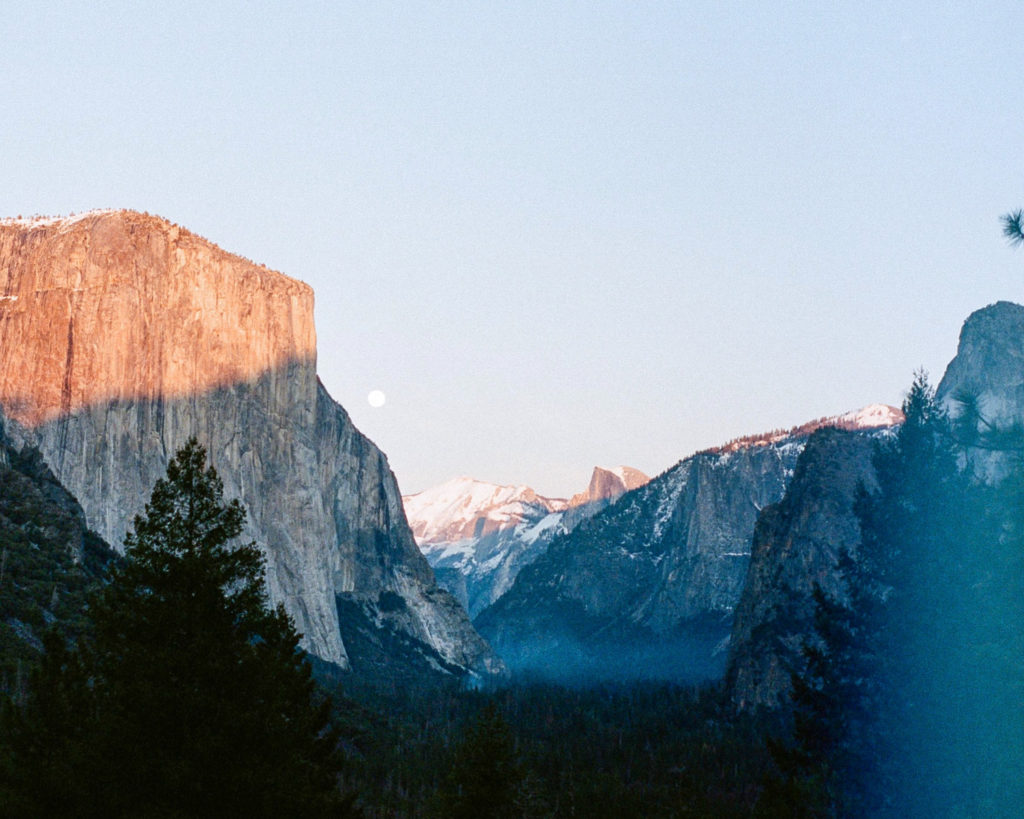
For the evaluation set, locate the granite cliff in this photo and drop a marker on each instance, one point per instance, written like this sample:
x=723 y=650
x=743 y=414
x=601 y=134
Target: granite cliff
x=796 y=545
x=646 y=587
x=797 y=541
x=989 y=365
x=121 y=335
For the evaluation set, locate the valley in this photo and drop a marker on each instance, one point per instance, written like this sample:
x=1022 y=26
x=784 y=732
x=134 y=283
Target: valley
x=666 y=646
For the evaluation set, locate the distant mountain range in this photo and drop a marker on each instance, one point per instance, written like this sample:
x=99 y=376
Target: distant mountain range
x=648 y=586
x=477 y=536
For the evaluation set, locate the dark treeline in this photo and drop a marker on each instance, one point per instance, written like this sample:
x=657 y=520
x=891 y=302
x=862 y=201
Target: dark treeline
x=538 y=750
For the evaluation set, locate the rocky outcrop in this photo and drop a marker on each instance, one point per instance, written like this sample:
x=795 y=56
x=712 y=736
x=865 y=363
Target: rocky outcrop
x=797 y=541
x=115 y=306
x=989 y=366
x=606 y=485
x=796 y=545
x=123 y=335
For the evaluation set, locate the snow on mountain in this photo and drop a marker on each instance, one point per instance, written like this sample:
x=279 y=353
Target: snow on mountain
x=869 y=417
x=649 y=586
x=478 y=535
x=873 y=416
x=467 y=508
x=47 y=221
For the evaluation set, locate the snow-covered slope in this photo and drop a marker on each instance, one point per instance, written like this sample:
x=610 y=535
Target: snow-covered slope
x=467 y=508
x=478 y=535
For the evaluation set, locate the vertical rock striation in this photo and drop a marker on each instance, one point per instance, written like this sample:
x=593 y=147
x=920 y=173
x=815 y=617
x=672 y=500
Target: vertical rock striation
x=121 y=335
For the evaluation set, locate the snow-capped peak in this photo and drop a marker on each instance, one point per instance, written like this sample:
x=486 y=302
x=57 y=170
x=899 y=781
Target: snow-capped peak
x=873 y=416
x=465 y=507
x=870 y=417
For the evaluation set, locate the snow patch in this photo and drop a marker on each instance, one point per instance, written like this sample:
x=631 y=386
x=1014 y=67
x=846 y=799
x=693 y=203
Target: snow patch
x=47 y=221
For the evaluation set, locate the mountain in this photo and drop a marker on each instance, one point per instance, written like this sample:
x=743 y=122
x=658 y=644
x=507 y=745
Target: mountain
x=648 y=586
x=121 y=335
x=606 y=486
x=477 y=536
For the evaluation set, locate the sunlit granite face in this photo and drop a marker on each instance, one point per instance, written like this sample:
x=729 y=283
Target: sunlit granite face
x=116 y=305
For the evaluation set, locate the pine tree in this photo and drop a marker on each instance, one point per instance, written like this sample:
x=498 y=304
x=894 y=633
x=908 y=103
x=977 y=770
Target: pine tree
x=485 y=777
x=881 y=703
x=820 y=770
x=199 y=702
x=913 y=578
x=1013 y=227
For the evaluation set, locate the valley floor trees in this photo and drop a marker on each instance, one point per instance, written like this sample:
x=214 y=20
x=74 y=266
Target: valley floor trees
x=192 y=698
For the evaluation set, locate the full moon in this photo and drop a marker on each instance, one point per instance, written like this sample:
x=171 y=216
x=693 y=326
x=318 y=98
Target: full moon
x=376 y=398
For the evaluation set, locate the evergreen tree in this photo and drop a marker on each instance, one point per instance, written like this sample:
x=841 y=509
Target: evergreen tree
x=825 y=769
x=484 y=779
x=917 y=600
x=1013 y=227
x=199 y=701
x=880 y=695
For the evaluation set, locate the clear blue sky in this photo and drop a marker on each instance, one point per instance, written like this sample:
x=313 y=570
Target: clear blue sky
x=557 y=234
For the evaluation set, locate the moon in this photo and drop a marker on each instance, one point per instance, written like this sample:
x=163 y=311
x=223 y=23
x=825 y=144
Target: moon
x=376 y=398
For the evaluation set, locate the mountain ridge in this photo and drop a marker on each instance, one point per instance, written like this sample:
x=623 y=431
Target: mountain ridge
x=477 y=535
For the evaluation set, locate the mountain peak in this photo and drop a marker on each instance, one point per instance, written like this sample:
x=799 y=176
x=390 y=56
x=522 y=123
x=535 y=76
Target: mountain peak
x=465 y=507
x=989 y=363
x=606 y=484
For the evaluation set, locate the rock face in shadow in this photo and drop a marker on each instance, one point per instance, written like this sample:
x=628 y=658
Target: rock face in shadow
x=124 y=335
x=49 y=561
x=796 y=545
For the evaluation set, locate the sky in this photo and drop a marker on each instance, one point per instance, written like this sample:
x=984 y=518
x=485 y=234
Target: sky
x=557 y=235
